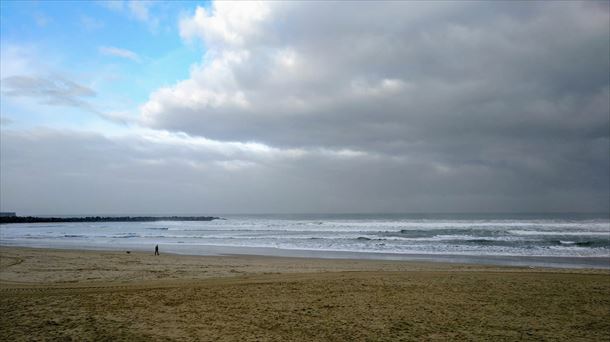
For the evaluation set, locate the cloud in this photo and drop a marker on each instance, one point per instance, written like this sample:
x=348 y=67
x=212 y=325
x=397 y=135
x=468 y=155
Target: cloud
x=114 y=5
x=300 y=107
x=165 y=172
x=41 y=19
x=4 y=121
x=417 y=72
x=56 y=91
x=475 y=93
x=227 y=22
x=139 y=161
x=139 y=10
x=117 y=52
x=19 y=60
x=91 y=24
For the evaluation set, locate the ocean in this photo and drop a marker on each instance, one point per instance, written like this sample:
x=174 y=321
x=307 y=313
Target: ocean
x=556 y=240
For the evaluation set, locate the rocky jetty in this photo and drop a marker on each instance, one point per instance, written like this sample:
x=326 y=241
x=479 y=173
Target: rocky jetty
x=35 y=219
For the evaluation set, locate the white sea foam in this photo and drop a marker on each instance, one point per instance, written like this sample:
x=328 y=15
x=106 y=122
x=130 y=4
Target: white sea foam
x=514 y=237
x=561 y=232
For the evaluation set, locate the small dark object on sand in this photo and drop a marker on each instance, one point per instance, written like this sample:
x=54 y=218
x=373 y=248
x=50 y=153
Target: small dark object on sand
x=128 y=252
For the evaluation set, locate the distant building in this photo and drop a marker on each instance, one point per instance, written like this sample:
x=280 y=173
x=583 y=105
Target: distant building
x=7 y=214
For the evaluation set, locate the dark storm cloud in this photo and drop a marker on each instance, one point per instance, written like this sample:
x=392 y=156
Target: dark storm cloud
x=413 y=71
x=155 y=172
x=506 y=99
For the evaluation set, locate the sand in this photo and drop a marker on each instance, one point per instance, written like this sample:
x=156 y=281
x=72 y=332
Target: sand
x=88 y=295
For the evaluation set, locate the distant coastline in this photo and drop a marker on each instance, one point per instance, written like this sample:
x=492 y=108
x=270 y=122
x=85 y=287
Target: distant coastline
x=35 y=219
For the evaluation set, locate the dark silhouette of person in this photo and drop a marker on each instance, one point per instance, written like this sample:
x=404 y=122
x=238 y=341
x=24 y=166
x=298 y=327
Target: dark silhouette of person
x=157 y=250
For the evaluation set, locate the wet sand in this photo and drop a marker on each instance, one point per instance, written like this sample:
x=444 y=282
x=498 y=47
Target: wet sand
x=88 y=295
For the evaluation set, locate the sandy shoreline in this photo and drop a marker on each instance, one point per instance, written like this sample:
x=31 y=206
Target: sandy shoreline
x=574 y=262
x=92 y=295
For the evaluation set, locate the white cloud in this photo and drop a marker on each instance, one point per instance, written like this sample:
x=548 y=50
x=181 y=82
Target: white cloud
x=115 y=5
x=140 y=10
x=49 y=90
x=41 y=19
x=118 y=116
x=298 y=74
x=57 y=90
x=19 y=60
x=30 y=78
x=225 y=148
x=90 y=23
x=228 y=22
x=118 y=52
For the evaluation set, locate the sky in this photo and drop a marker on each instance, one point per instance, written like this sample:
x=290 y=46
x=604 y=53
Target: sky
x=121 y=107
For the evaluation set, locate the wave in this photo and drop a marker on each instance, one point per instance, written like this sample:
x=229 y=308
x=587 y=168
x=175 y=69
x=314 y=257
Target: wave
x=360 y=239
x=559 y=233
x=586 y=243
x=479 y=237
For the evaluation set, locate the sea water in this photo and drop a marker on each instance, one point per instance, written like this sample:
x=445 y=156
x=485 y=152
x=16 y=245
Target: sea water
x=575 y=240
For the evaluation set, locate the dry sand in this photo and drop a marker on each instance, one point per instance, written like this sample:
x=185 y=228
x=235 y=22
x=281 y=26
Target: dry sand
x=85 y=295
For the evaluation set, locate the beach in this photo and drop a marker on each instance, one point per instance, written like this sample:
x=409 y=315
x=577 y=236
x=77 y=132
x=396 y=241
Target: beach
x=542 y=240
x=51 y=294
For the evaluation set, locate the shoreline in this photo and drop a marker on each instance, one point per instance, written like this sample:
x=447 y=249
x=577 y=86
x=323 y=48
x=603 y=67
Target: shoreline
x=558 y=262
x=48 y=266
x=70 y=266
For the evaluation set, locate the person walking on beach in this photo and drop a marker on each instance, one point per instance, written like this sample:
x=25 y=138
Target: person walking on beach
x=157 y=250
